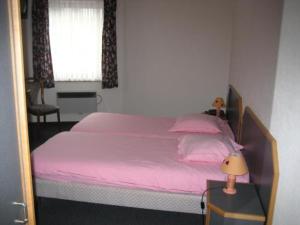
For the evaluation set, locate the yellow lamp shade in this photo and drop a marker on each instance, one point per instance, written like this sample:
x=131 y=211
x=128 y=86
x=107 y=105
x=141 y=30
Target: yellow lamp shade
x=234 y=164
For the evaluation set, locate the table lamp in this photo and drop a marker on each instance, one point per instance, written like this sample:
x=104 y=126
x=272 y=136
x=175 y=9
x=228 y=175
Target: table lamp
x=233 y=165
x=218 y=104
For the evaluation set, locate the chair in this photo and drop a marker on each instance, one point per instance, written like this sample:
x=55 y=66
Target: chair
x=33 y=106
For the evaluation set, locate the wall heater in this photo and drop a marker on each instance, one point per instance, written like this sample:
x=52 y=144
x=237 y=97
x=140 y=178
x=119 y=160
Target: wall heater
x=77 y=102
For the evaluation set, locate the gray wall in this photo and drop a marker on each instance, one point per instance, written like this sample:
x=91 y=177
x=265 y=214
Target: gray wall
x=285 y=120
x=254 y=53
x=177 y=55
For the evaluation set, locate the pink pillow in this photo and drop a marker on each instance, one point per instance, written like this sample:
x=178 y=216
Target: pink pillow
x=197 y=123
x=206 y=148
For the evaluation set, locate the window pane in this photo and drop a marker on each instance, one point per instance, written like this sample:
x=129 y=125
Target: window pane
x=76 y=39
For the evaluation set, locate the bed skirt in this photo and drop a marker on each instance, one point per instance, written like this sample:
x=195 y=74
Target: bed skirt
x=146 y=199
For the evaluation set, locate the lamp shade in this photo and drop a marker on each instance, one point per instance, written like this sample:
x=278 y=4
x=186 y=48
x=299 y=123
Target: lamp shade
x=234 y=164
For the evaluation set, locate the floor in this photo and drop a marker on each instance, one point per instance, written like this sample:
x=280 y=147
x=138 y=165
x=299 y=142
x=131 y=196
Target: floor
x=39 y=134
x=62 y=212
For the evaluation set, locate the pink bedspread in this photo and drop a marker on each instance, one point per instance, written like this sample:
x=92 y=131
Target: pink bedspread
x=133 y=125
x=133 y=162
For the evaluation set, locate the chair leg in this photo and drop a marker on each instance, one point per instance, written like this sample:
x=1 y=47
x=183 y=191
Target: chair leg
x=37 y=128
x=45 y=119
x=58 y=119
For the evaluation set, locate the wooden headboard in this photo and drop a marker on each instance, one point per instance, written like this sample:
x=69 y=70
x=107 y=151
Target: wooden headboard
x=234 y=111
x=260 y=152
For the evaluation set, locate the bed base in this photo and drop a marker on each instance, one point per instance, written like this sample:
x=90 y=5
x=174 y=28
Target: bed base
x=145 y=199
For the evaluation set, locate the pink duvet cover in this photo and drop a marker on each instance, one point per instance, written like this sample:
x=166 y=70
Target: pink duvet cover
x=133 y=125
x=115 y=160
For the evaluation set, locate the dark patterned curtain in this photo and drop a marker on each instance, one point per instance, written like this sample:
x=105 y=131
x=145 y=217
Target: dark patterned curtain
x=42 y=61
x=109 y=46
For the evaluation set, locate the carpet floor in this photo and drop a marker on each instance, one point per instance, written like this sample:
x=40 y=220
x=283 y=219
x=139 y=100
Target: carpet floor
x=62 y=212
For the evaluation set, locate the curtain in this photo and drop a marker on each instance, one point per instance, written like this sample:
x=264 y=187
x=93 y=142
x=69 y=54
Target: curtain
x=109 y=43
x=42 y=61
x=76 y=39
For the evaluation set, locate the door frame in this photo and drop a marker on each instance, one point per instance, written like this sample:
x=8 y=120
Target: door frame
x=18 y=78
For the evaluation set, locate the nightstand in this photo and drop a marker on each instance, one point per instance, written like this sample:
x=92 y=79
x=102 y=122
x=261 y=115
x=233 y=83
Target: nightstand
x=243 y=208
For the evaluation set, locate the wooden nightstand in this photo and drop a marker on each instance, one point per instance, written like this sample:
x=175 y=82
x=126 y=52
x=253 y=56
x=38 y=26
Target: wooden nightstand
x=243 y=208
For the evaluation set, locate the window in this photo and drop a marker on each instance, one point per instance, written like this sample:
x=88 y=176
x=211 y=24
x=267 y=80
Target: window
x=75 y=29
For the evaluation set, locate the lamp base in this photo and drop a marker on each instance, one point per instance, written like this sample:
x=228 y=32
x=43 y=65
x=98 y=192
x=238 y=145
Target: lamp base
x=229 y=191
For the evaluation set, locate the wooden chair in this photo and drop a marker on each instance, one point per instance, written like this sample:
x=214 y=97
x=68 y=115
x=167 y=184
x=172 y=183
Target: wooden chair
x=34 y=107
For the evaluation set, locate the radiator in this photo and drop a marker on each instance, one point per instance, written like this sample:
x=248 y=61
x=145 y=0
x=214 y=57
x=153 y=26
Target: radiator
x=77 y=102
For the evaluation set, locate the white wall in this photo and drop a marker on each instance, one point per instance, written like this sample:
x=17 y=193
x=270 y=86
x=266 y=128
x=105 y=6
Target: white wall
x=254 y=53
x=177 y=55
x=285 y=120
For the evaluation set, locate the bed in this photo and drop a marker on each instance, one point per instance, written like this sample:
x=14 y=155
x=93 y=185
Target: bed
x=150 y=197
x=259 y=152
x=157 y=127
x=104 y=193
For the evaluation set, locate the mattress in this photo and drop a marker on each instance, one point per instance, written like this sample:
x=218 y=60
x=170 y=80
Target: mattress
x=134 y=125
x=121 y=161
